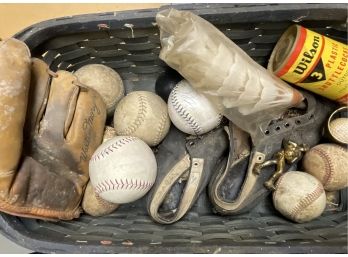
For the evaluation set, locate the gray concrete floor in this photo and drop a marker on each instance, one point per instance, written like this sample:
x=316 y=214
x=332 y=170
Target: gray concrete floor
x=7 y=246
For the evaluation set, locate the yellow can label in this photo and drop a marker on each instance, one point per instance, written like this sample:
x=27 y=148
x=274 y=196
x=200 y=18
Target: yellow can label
x=318 y=64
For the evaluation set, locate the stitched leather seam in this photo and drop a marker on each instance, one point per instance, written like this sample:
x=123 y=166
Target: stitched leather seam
x=278 y=182
x=306 y=201
x=185 y=114
x=124 y=184
x=160 y=128
x=4 y=174
x=111 y=148
x=327 y=163
x=121 y=93
x=142 y=110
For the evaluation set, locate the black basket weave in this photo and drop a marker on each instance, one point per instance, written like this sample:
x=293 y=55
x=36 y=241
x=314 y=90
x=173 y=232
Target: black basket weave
x=129 y=43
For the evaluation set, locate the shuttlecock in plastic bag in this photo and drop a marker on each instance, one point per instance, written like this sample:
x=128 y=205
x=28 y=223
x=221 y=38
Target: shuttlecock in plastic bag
x=218 y=68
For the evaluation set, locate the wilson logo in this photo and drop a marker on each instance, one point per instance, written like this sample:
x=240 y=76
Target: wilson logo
x=308 y=57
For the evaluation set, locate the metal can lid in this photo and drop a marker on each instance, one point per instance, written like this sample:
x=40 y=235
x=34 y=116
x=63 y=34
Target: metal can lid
x=284 y=49
x=337 y=132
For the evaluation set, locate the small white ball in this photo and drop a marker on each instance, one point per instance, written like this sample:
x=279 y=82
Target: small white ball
x=105 y=81
x=190 y=111
x=299 y=196
x=122 y=169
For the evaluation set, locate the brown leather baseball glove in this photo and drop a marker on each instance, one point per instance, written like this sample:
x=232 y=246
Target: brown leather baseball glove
x=44 y=175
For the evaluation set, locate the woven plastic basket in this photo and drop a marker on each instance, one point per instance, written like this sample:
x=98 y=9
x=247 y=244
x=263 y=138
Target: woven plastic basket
x=129 y=43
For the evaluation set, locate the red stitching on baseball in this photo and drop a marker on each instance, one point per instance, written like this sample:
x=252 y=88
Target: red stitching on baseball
x=278 y=184
x=104 y=187
x=112 y=183
x=305 y=202
x=327 y=163
x=117 y=145
x=97 y=189
x=108 y=184
x=141 y=185
x=100 y=188
x=127 y=184
x=132 y=184
x=117 y=183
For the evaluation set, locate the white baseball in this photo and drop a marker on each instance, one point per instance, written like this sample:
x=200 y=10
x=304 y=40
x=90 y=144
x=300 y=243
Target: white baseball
x=299 y=196
x=339 y=129
x=122 y=169
x=144 y=115
x=105 y=81
x=190 y=111
x=328 y=163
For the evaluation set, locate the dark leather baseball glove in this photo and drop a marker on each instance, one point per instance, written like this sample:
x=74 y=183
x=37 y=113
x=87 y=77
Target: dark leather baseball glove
x=44 y=175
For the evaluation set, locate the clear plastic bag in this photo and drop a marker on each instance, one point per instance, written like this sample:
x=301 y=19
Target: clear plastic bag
x=241 y=89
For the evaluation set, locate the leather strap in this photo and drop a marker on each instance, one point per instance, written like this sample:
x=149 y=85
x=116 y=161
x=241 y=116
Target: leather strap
x=189 y=195
x=248 y=185
x=239 y=151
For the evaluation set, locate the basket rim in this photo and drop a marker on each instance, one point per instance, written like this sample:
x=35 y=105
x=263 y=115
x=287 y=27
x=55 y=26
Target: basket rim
x=145 y=17
x=47 y=246
x=34 y=35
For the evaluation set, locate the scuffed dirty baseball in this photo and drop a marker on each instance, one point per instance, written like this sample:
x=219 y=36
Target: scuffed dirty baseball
x=329 y=164
x=144 y=115
x=339 y=129
x=122 y=169
x=105 y=81
x=109 y=133
x=190 y=111
x=299 y=196
x=95 y=206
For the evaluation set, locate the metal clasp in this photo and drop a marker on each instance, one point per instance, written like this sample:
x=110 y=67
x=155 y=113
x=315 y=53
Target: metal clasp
x=290 y=153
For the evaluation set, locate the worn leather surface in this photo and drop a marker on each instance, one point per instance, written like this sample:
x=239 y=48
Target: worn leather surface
x=205 y=152
x=14 y=88
x=171 y=150
x=237 y=189
x=64 y=125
